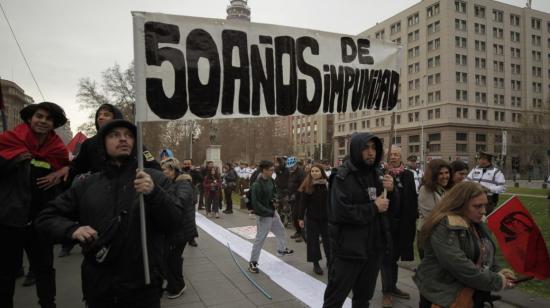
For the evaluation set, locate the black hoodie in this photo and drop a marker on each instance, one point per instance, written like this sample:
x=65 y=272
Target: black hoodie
x=354 y=222
x=90 y=159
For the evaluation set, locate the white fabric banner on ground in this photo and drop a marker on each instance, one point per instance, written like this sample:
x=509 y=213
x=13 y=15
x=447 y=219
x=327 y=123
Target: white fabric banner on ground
x=302 y=286
x=191 y=68
x=248 y=232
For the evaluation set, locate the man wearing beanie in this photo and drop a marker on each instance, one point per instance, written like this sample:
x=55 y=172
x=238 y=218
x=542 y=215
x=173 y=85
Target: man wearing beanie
x=101 y=211
x=31 y=156
x=356 y=229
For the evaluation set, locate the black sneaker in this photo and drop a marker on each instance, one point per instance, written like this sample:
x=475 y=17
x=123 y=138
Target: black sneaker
x=193 y=243
x=253 y=267
x=296 y=235
x=177 y=294
x=64 y=253
x=317 y=269
x=285 y=252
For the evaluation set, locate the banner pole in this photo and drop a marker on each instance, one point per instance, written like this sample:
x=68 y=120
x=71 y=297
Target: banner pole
x=139 y=88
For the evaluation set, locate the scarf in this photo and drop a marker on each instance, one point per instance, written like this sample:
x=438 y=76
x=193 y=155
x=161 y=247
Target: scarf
x=21 y=139
x=320 y=182
x=396 y=171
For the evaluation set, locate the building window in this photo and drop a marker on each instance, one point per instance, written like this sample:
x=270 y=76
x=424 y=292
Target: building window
x=498 y=99
x=413 y=36
x=479 y=28
x=460 y=25
x=516 y=52
x=514 y=20
x=395 y=28
x=498 y=16
x=434 y=44
x=380 y=34
x=536 y=40
x=434 y=137
x=537 y=87
x=481 y=137
x=432 y=10
x=516 y=101
x=413 y=20
x=481 y=80
x=480 y=45
x=516 y=69
x=461 y=95
x=481 y=147
x=498 y=83
x=434 y=27
x=481 y=114
x=462 y=147
x=516 y=85
x=516 y=117
x=460 y=6
x=461 y=77
x=461 y=42
x=481 y=97
x=537 y=103
x=461 y=59
x=479 y=11
x=461 y=113
x=499 y=116
x=498 y=33
x=498 y=66
x=498 y=49
x=434 y=62
x=461 y=136
x=537 y=55
x=537 y=71
x=414 y=139
x=481 y=63
x=535 y=23
x=514 y=36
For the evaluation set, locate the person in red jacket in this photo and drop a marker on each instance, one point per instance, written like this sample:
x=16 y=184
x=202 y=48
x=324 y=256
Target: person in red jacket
x=212 y=185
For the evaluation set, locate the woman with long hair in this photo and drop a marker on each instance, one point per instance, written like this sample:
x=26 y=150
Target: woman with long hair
x=435 y=182
x=212 y=186
x=176 y=242
x=459 y=267
x=313 y=207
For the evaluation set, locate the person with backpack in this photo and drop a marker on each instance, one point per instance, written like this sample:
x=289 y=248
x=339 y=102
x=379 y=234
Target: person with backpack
x=263 y=198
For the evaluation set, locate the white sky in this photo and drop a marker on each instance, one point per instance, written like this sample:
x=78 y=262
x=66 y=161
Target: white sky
x=65 y=40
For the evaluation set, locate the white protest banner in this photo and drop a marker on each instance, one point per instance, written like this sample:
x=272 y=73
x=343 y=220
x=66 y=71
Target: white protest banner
x=192 y=68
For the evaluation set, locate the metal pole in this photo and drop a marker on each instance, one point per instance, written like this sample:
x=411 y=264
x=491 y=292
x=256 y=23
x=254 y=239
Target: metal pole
x=139 y=73
x=321 y=132
x=2 y=107
x=422 y=144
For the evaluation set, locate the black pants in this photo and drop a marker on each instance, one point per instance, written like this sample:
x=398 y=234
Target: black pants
x=388 y=269
x=174 y=264
x=295 y=206
x=228 y=200
x=314 y=229
x=143 y=298
x=357 y=276
x=40 y=256
x=478 y=299
x=201 y=197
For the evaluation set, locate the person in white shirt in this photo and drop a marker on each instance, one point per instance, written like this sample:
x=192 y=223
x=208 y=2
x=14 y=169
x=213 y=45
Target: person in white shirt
x=490 y=177
x=417 y=172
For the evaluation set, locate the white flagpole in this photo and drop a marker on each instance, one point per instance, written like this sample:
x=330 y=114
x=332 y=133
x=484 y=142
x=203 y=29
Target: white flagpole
x=139 y=88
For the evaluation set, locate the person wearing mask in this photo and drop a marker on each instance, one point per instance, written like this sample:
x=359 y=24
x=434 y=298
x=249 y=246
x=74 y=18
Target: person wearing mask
x=358 y=232
x=459 y=170
x=176 y=242
x=263 y=196
x=196 y=180
x=230 y=184
x=486 y=174
x=31 y=158
x=418 y=173
x=102 y=212
x=402 y=214
x=459 y=267
x=212 y=185
x=435 y=183
x=313 y=211
x=296 y=176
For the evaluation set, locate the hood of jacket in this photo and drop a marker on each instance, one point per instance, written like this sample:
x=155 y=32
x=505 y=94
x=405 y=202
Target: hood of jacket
x=358 y=144
x=117 y=114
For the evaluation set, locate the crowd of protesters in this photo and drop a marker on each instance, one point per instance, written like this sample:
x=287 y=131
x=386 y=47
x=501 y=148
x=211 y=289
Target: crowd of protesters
x=366 y=214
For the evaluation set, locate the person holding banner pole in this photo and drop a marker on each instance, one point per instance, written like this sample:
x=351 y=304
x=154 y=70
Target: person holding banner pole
x=103 y=213
x=459 y=267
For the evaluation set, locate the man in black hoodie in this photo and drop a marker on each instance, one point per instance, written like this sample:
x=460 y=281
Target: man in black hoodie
x=101 y=212
x=89 y=159
x=357 y=230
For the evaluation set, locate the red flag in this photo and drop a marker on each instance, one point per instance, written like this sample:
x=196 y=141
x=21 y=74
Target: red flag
x=520 y=239
x=74 y=144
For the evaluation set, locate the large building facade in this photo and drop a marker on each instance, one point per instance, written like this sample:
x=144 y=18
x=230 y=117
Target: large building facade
x=311 y=136
x=475 y=76
x=15 y=99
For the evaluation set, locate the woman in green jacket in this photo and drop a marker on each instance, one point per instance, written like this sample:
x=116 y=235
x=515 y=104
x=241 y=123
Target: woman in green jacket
x=459 y=254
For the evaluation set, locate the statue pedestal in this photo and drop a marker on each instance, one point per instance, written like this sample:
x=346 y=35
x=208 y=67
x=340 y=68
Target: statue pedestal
x=213 y=153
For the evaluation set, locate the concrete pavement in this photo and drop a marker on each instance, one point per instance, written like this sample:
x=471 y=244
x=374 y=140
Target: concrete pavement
x=215 y=281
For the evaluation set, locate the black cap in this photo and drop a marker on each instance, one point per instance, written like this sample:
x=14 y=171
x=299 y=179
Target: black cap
x=57 y=113
x=412 y=158
x=486 y=155
x=115 y=124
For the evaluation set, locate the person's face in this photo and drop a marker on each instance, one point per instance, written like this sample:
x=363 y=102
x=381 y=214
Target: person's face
x=443 y=177
x=369 y=153
x=315 y=173
x=395 y=157
x=213 y=171
x=459 y=176
x=484 y=162
x=412 y=164
x=119 y=142
x=41 y=122
x=476 y=208
x=169 y=172
x=187 y=164
x=268 y=172
x=210 y=164
x=103 y=117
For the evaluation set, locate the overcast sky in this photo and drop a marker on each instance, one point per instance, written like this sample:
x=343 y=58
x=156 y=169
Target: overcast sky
x=65 y=40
